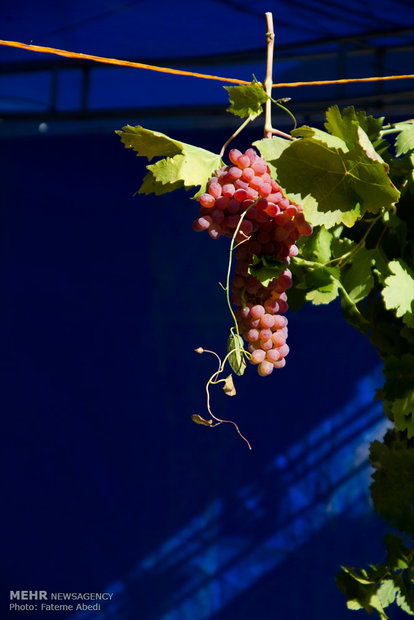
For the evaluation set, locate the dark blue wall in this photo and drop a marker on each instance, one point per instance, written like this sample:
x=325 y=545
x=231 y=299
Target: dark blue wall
x=105 y=298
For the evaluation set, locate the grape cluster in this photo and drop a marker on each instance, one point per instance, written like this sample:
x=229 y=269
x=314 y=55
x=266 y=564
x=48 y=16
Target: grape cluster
x=270 y=226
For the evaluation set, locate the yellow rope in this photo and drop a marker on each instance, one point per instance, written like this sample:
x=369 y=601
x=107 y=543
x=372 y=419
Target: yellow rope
x=114 y=61
x=139 y=65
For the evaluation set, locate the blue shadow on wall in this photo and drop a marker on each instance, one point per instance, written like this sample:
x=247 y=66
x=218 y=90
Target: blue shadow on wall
x=219 y=555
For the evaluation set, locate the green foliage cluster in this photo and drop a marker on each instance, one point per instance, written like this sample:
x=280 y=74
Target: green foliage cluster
x=355 y=180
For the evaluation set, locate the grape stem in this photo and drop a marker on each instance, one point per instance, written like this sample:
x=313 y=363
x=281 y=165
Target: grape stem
x=227 y=288
x=213 y=381
x=395 y=127
x=268 y=83
x=236 y=133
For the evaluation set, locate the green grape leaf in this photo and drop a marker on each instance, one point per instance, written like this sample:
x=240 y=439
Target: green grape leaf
x=193 y=167
x=382 y=147
x=381 y=585
x=405 y=140
x=380 y=268
x=322 y=136
x=271 y=149
x=387 y=592
x=341 y=246
x=316 y=247
x=358 y=279
x=369 y=149
x=151 y=186
x=328 y=219
x=148 y=143
x=325 y=293
x=266 y=268
x=297 y=296
x=371 y=125
x=236 y=356
x=182 y=165
x=321 y=283
x=398 y=291
x=405 y=596
x=346 y=126
x=246 y=100
x=392 y=489
x=351 y=313
x=344 y=185
x=360 y=590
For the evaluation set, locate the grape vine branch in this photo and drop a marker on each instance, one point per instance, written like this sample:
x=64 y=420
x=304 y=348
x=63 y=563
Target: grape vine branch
x=322 y=214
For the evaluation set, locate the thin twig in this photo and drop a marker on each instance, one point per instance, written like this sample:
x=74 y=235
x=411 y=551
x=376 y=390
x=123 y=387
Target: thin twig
x=236 y=133
x=213 y=381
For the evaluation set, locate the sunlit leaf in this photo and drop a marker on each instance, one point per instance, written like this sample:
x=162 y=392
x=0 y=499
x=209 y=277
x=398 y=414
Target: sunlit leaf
x=199 y=420
x=246 y=100
x=236 y=357
x=228 y=386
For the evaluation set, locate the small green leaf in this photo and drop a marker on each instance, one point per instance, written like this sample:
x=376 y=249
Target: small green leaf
x=193 y=167
x=327 y=288
x=341 y=246
x=148 y=143
x=371 y=125
x=359 y=589
x=358 y=279
x=369 y=149
x=246 y=100
x=351 y=313
x=342 y=126
x=405 y=140
x=387 y=592
x=316 y=247
x=398 y=291
x=151 y=186
x=182 y=165
x=235 y=349
x=266 y=268
x=405 y=601
x=321 y=283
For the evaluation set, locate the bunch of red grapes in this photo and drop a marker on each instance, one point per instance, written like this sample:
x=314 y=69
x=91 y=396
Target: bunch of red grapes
x=270 y=227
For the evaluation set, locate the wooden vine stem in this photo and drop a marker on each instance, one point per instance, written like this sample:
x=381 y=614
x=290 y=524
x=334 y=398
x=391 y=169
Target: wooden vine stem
x=268 y=83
